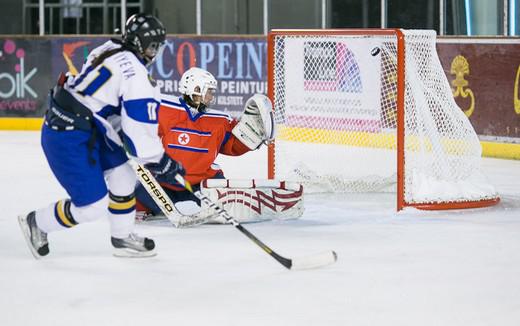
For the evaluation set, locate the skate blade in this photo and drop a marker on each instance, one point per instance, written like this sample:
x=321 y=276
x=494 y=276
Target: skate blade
x=129 y=253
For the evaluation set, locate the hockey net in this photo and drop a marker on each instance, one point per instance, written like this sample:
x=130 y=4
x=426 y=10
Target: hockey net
x=372 y=110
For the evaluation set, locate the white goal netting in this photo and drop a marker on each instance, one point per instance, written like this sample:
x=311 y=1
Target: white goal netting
x=336 y=108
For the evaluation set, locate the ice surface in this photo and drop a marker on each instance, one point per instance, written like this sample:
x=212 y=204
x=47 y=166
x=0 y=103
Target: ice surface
x=411 y=268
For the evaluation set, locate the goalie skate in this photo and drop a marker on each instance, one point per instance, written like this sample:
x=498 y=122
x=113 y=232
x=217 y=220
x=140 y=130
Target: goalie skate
x=177 y=219
x=142 y=217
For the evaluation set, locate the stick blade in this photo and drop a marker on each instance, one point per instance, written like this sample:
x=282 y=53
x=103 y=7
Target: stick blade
x=314 y=261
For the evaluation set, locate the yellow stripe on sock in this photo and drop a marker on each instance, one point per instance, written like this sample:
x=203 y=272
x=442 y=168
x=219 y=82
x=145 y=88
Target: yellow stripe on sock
x=122 y=206
x=62 y=216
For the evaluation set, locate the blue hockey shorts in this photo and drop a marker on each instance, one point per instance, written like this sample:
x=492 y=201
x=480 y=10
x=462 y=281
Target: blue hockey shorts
x=79 y=171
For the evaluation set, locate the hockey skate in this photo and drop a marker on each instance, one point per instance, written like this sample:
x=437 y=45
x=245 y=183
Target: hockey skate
x=36 y=239
x=133 y=246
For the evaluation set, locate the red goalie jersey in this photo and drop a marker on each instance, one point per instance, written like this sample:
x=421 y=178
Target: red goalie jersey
x=195 y=139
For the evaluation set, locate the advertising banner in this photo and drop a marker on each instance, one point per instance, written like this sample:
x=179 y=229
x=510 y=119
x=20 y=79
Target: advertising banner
x=239 y=64
x=24 y=76
x=329 y=80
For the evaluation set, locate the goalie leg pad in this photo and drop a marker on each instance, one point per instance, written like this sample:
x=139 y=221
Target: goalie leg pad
x=255 y=200
x=248 y=200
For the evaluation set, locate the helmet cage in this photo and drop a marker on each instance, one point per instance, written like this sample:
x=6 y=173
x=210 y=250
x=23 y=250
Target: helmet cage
x=207 y=94
x=146 y=35
x=199 y=82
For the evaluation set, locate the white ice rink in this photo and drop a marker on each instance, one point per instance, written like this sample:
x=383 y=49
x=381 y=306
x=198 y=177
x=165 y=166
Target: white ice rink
x=413 y=268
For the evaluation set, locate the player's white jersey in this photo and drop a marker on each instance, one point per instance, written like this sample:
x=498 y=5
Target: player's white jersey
x=123 y=97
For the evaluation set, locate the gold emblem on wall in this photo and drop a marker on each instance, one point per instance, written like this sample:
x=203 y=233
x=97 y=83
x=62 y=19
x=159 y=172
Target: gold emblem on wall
x=459 y=68
x=516 y=99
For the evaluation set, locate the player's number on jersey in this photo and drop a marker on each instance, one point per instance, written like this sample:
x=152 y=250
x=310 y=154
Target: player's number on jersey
x=103 y=75
x=152 y=111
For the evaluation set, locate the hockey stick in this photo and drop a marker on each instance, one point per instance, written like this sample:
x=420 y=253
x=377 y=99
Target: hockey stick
x=162 y=200
x=307 y=262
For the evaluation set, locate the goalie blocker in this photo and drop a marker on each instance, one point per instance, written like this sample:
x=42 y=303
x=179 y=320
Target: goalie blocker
x=247 y=200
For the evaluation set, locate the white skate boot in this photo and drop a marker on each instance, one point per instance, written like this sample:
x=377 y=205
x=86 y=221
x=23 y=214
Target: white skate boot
x=133 y=246
x=36 y=239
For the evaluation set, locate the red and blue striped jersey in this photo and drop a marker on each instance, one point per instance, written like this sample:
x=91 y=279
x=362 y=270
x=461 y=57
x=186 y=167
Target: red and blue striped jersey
x=195 y=140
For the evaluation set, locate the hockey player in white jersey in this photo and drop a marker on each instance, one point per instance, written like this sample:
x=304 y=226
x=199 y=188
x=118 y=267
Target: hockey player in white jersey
x=110 y=107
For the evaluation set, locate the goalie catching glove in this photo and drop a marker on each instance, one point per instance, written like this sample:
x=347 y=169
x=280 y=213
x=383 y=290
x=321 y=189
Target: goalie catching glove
x=256 y=125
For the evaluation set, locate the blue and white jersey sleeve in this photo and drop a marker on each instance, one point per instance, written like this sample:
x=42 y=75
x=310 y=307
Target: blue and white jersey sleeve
x=139 y=109
x=123 y=99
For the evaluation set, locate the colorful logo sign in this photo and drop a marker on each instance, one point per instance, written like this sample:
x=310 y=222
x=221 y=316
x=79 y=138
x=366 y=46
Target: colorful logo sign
x=18 y=79
x=69 y=49
x=330 y=66
x=18 y=91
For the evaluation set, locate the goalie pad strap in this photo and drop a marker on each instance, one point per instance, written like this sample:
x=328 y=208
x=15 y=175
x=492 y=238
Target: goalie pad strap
x=251 y=183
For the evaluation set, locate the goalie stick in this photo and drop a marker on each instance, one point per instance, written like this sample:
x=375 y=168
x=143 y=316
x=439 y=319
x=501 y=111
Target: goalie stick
x=306 y=262
x=163 y=201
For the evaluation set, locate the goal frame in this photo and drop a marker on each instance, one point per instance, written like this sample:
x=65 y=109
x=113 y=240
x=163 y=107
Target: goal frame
x=400 y=102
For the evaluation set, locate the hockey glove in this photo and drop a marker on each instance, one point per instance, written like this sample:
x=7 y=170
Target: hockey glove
x=166 y=169
x=256 y=125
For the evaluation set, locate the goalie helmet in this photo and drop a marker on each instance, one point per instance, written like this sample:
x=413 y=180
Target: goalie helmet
x=198 y=87
x=145 y=34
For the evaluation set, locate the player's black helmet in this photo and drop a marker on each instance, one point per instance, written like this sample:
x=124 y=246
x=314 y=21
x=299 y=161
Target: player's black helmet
x=145 y=34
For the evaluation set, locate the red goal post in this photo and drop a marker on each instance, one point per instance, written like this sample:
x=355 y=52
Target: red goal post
x=377 y=96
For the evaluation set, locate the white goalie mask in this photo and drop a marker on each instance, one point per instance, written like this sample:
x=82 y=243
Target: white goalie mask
x=199 y=86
